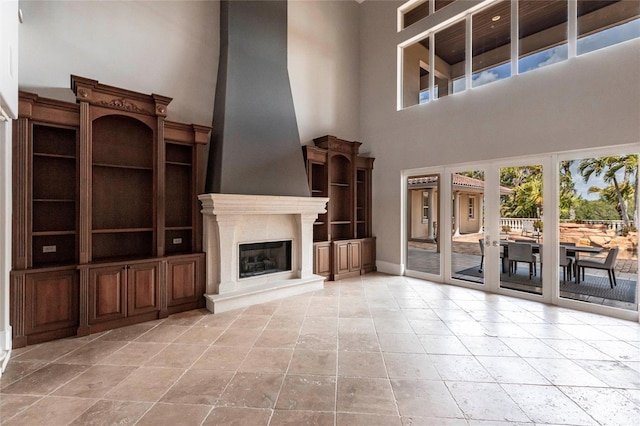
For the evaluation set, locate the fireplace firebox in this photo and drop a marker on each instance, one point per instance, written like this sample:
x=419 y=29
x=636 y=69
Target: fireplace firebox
x=264 y=258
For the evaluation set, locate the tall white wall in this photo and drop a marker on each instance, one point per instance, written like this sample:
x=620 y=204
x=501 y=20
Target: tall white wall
x=323 y=66
x=172 y=47
x=164 y=47
x=588 y=101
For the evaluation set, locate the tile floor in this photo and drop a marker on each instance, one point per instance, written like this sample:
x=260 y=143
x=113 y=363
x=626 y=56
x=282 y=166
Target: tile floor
x=377 y=350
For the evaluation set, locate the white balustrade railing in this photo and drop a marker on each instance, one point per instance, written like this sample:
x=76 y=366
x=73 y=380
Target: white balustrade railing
x=515 y=223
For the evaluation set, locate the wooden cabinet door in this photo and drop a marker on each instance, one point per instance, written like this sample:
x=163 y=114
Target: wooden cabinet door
x=52 y=301
x=143 y=288
x=107 y=293
x=184 y=281
x=322 y=259
x=341 y=257
x=355 y=260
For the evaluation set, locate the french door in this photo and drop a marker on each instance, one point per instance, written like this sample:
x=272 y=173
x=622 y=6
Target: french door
x=504 y=227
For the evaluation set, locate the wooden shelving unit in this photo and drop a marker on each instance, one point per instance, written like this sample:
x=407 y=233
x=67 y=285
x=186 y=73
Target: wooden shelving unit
x=343 y=244
x=106 y=225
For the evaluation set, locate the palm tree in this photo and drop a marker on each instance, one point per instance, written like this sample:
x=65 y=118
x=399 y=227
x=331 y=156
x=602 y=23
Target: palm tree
x=607 y=167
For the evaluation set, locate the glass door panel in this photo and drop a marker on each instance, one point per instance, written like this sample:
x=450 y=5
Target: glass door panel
x=467 y=237
x=597 y=230
x=423 y=204
x=521 y=225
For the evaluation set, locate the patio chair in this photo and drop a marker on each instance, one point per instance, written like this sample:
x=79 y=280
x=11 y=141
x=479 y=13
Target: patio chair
x=528 y=229
x=566 y=262
x=608 y=265
x=521 y=252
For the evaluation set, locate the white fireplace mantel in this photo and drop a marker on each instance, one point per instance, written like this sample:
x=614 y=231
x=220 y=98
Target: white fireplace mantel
x=234 y=219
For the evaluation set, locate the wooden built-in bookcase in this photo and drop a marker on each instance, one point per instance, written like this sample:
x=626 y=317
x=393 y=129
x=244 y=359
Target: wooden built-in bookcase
x=106 y=225
x=343 y=244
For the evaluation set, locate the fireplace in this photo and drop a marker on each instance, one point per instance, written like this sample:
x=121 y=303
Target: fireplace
x=264 y=258
x=259 y=248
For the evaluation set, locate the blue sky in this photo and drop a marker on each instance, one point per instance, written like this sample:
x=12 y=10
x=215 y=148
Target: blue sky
x=596 y=41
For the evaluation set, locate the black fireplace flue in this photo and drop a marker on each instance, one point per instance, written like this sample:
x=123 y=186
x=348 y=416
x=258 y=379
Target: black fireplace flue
x=264 y=258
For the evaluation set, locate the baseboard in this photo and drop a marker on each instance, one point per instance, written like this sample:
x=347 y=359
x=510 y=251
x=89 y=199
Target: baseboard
x=390 y=268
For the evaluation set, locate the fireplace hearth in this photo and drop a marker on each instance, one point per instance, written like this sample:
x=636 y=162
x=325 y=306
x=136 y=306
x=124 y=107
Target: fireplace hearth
x=259 y=248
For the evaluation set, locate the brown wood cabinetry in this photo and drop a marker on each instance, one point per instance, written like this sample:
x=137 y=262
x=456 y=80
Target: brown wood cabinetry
x=343 y=245
x=106 y=226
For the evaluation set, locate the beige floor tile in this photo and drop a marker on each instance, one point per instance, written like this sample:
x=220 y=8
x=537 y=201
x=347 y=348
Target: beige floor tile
x=530 y=348
x=356 y=325
x=285 y=322
x=16 y=370
x=200 y=335
x=547 y=404
x=614 y=373
x=226 y=358
x=359 y=419
x=361 y=364
x=162 y=414
x=424 y=398
x=111 y=413
x=599 y=403
x=486 y=401
x=177 y=356
x=252 y=390
x=296 y=418
x=365 y=396
x=266 y=360
x=443 y=345
x=198 y=387
x=163 y=334
x=326 y=356
x=511 y=370
x=49 y=351
x=576 y=349
x=317 y=342
x=10 y=405
x=95 y=381
x=281 y=339
x=432 y=327
x=187 y=318
x=134 y=354
x=311 y=393
x=46 y=379
x=250 y=321
x=145 y=384
x=460 y=368
x=92 y=352
x=412 y=366
x=485 y=345
x=315 y=324
x=564 y=372
x=127 y=334
x=321 y=363
x=358 y=342
x=617 y=350
x=244 y=337
x=229 y=416
x=400 y=342
x=51 y=410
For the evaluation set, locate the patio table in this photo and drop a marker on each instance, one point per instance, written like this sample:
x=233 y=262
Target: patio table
x=571 y=251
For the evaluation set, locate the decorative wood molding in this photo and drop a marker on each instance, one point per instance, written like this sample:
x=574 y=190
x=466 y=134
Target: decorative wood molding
x=123 y=104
